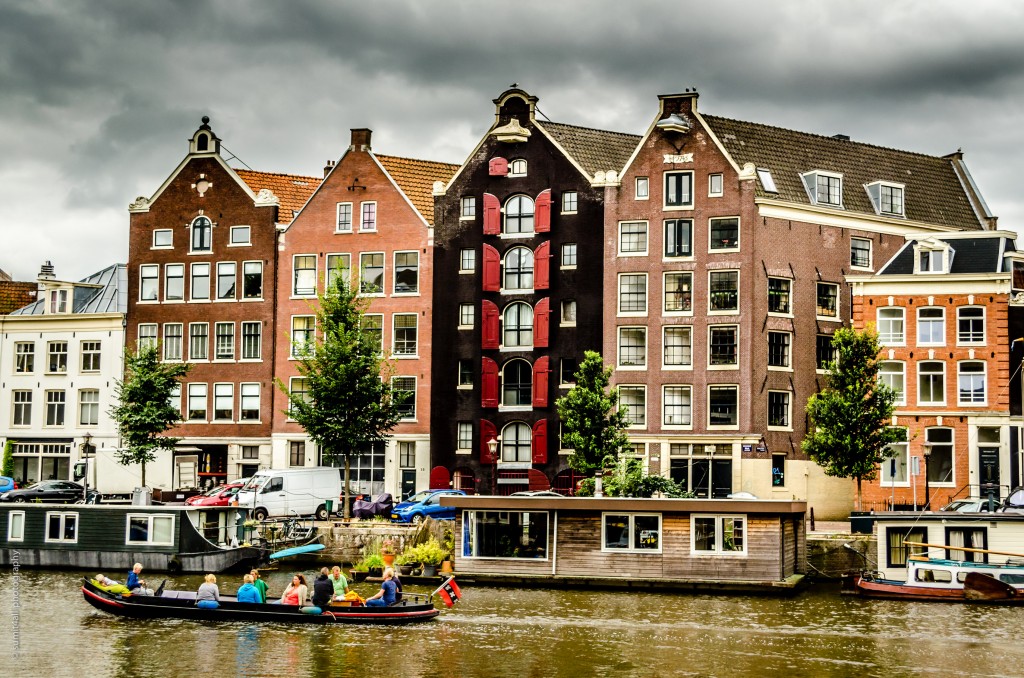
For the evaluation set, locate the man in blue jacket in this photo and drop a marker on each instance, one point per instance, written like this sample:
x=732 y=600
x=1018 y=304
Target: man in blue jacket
x=136 y=585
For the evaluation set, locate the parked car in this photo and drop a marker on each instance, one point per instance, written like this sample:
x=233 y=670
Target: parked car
x=968 y=506
x=217 y=496
x=425 y=504
x=536 y=493
x=49 y=491
x=7 y=484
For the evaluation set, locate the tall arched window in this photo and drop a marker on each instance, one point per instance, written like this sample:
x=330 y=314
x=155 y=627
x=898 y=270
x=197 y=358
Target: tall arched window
x=517 y=325
x=519 y=214
x=517 y=384
x=516 y=442
x=202 y=235
x=518 y=269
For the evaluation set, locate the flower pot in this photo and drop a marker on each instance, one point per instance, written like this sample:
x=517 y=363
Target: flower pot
x=405 y=569
x=430 y=570
x=446 y=567
x=388 y=558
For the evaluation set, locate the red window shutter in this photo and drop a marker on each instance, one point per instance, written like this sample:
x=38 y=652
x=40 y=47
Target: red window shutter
x=540 y=442
x=497 y=167
x=542 y=266
x=489 y=383
x=541 y=318
x=487 y=431
x=541 y=370
x=488 y=324
x=492 y=269
x=542 y=212
x=492 y=214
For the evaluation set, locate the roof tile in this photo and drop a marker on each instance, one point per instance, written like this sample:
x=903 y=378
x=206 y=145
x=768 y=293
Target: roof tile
x=595 y=150
x=293 y=190
x=416 y=179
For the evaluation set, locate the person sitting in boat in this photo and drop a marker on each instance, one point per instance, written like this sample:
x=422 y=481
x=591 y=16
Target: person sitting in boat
x=103 y=580
x=386 y=595
x=136 y=585
x=296 y=592
x=208 y=594
x=323 y=590
x=339 y=582
x=247 y=592
x=260 y=585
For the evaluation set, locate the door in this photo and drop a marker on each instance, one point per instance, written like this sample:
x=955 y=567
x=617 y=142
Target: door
x=721 y=478
x=272 y=497
x=408 y=483
x=249 y=470
x=988 y=467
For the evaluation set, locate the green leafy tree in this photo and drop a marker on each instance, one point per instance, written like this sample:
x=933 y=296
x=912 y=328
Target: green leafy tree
x=143 y=412
x=593 y=424
x=347 y=405
x=849 y=433
x=8 y=464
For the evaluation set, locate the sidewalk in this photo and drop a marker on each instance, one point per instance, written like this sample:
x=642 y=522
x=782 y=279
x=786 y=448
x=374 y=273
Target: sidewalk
x=829 y=527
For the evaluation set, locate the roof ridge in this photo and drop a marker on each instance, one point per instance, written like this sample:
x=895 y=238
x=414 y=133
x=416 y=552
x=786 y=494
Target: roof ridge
x=589 y=129
x=432 y=162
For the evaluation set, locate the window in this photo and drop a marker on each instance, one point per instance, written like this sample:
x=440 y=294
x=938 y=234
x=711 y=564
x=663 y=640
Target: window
x=930 y=261
x=971 y=537
x=767 y=182
x=465 y=435
x=149 y=282
x=16 y=526
x=517 y=322
x=931 y=326
x=22 y=408
x=344 y=224
x=724 y=233
x=297 y=453
x=163 y=238
x=567 y=371
x=824 y=188
x=202 y=235
x=467 y=260
x=634 y=399
x=940 y=461
x=519 y=215
x=625 y=532
x=467 y=207
x=569 y=201
x=303 y=335
x=971 y=383
x=778 y=409
x=722 y=345
x=465 y=374
x=250 y=451
x=407 y=272
x=299 y=388
x=55 y=408
x=304 y=275
x=899 y=551
x=405 y=326
x=633 y=237
x=860 y=253
x=891 y=327
x=516 y=384
x=196 y=402
x=892 y=200
x=678 y=292
x=223 y=401
x=373 y=327
x=632 y=347
x=518 y=269
x=517 y=168
x=568 y=316
x=147 y=336
x=249 y=395
x=406 y=454
x=25 y=357
x=61 y=527
x=643 y=188
x=90 y=356
x=517 y=443
x=779 y=349
x=505 y=534
x=58 y=301
x=149 y=529
x=368 y=221
x=677 y=347
x=778 y=470
x=339 y=268
x=895 y=468
x=827 y=300
x=779 y=299
x=172 y=341
x=723 y=405
x=252 y=339
x=678 y=189
x=371 y=273
x=174 y=400
x=224 y=334
x=198 y=341
x=931 y=383
x=240 y=235
x=569 y=255
x=723 y=290
x=252 y=280
x=200 y=281
x=717 y=535
x=679 y=238
x=970 y=325
x=892 y=373
x=57 y=357
x=715 y=185
x=676 y=406
x=633 y=293
x=467 y=316
x=226 y=280
x=174 y=289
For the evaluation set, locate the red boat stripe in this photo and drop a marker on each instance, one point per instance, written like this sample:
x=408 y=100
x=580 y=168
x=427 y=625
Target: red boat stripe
x=105 y=601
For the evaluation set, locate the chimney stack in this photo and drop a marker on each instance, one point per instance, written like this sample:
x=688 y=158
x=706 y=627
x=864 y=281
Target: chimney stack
x=328 y=167
x=360 y=139
x=46 y=271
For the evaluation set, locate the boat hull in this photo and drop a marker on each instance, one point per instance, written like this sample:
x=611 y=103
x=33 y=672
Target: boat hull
x=897 y=590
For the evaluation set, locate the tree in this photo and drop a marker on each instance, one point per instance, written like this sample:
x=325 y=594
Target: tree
x=849 y=432
x=593 y=425
x=144 y=410
x=8 y=463
x=348 y=404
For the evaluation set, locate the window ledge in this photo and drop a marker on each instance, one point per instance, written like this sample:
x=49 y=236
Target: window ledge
x=780 y=428
x=515 y=408
x=459 y=451
x=405 y=294
x=723 y=250
x=570 y=267
x=466 y=272
x=515 y=236
x=631 y=314
x=828 y=318
x=631 y=368
x=405 y=356
x=773 y=314
x=677 y=314
x=633 y=254
x=239 y=244
x=723 y=367
x=678 y=368
x=465 y=327
x=464 y=387
x=775 y=368
x=677 y=208
x=251 y=299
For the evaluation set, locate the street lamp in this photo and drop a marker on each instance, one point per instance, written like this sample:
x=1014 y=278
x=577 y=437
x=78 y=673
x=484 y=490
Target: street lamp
x=492 y=446
x=86 y=450
x=927 y=455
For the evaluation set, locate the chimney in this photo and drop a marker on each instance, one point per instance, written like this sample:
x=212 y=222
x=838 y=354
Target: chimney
x=46 y=271
x=328 y=167
x=360 y=139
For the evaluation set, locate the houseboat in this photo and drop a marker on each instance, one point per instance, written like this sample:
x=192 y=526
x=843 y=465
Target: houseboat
x=740 y=545
x=111 y=538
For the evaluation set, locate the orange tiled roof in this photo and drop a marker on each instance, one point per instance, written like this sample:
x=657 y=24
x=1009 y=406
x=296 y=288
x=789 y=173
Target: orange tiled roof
x=416 y=179
x=293 y=190
x=14 y=295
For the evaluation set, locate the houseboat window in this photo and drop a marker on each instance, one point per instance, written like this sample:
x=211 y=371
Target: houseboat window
x=62 y=527
x=898 y=551
x=1009 y=578
x=631 y=532
x=16 y=526
x=928 y=575
x=718 y=535
x=147 y=529
x=505 y=534
x=970 y=537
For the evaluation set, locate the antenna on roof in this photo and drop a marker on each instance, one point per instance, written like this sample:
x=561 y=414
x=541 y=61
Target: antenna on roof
x=235 y=157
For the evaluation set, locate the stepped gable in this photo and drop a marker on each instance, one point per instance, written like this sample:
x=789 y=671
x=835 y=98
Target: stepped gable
x=416 y=179
x=293 y=190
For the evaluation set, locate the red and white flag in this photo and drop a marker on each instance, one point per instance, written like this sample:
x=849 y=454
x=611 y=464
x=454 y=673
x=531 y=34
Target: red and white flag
x=449 y=592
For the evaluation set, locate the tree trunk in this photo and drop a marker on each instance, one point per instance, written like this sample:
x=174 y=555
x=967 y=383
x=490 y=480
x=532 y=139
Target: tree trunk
x=143 y=472
x=345 y=512
x=858 y=494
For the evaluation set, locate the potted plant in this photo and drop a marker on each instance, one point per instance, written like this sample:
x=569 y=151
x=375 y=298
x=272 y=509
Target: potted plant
x=406 y=560
x=387 y=552
x=372 y=564
x=430 y=555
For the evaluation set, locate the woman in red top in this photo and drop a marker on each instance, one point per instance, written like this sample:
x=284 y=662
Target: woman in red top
x=296 y=592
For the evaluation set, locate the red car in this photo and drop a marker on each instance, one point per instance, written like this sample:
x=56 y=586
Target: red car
x=217 y=496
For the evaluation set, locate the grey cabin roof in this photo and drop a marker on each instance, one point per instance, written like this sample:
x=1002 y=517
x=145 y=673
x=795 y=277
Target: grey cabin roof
x=969 y=255
x=595 y=150
x=110 y=297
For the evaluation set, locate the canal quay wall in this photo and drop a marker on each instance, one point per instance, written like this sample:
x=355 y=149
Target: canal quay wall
x=831 y=553
x=346 y=543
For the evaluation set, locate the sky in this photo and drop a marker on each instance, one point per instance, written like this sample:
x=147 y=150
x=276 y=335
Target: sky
x=99 y=97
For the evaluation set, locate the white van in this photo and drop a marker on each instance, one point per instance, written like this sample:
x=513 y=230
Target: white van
x=301 y=491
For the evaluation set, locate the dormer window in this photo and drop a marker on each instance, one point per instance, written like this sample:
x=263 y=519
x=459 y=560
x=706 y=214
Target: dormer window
x=58 y=301
x=517 y=168
x=933 y=257
x=824 y=188
x=887 y=198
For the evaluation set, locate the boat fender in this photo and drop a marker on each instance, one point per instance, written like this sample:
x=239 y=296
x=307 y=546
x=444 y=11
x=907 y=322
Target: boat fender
x=310 y=609
x=208 y=604
x=174 y=565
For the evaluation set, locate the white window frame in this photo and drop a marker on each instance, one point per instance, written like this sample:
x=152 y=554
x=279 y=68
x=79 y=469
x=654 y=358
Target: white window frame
x=646 y=238
x=789 y=411
x=739 y=231
x=383 y=274
x=839 y=302
x=570 y=199
x=187 y=414
x=241 y=283
x=64 y=515
x=930 y=322
x=664 y=404
x=331 y=267
x=147 y=275
x=959 y=379
x=462 y=260
x=664 y=189
x=719 y=519
x=295 y=293
x=712 y=193
x=415 y=394
x=984 y=325
x=151 y=519
x=460 y=428
x=192 y=282
x=98 y=353
x=167 y=356
x=874 y=190
x=618 y=297
x=887 y=337
x=885 y=479
x=642 y=188
x=931 y=403
x=206 y=343
x=337 y=218
x=871 y=254
x=812 y=193
x=467 y=311
x=641 y=388
x=394 y=336
x=665 y=290
x=233 y=265
x=394 y=274
x=901 y=394
x=722 y=427
x=218 y=388
x=788 y=367
x=517 y=167
x=735 y=365
x=568 y=247
x=11 y=535
x=567 y=313
x=94 y=407
x=239 y=229
x=243 y=396
x=632 y=548
x=362 y=213
x=162 y=231
x=242 y=341
x=309 y=343
x=664 y=342
x=618 y=347
x=467 y=208
x=739 y=286
x=291 y=390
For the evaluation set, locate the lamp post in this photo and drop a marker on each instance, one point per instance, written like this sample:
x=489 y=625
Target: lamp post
x=492 y=446
x=86 y=450
x=927 y=455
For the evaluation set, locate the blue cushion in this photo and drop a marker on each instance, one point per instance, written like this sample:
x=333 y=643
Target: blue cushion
x=208 y=604
x=311 y=609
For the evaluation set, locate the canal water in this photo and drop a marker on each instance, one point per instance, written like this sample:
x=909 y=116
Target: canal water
x=509 y=632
